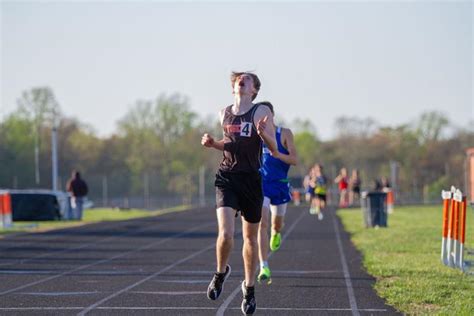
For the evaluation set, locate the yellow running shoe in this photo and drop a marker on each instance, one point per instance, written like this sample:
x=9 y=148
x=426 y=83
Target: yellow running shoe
x=275 y=242
x=264 y=275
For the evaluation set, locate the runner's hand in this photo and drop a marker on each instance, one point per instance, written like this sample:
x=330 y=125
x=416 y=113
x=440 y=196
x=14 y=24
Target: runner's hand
x=207 y=140
x=261 y=125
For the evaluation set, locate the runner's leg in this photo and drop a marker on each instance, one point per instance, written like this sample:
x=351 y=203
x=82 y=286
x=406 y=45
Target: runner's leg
x=250 y=250
x=263 y=238
x=225 y=237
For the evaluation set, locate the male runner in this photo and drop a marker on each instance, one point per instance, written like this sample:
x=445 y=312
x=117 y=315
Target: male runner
x=238 y=182
x=276 y=192
x=320 y=191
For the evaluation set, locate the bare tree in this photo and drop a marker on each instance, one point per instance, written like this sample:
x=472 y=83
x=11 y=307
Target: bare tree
x=430 y=126
x=40 y=106
x=354 y=126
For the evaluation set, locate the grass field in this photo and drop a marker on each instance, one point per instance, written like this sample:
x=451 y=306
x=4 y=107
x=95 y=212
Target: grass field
x=90 y=216
x=405 y=260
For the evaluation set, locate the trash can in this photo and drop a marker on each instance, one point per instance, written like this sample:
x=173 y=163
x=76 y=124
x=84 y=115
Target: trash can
x=374 y=209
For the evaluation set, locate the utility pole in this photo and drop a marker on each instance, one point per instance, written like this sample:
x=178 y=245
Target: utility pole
x=202 y=189
x=105 y=194
x=54 y=151
x=37 y=174
x=146 y=191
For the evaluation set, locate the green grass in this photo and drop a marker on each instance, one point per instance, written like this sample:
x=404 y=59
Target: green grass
x=90 y=216
x=405 y=260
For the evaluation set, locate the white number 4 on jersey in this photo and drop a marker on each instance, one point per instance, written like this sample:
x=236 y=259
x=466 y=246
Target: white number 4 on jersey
x=246 y=129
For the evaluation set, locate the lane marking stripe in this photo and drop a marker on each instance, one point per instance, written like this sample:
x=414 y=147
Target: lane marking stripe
x=186 y=308
x=347 y=276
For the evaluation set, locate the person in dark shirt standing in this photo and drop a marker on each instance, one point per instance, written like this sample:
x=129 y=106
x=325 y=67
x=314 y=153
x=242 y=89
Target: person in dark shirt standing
x=354 y=187
x=238 y=182
x=78 y=189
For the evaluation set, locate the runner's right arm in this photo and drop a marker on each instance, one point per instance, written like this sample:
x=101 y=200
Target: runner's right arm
x=209 y=141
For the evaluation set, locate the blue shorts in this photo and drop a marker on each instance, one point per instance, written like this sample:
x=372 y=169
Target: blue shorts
x=278 y=192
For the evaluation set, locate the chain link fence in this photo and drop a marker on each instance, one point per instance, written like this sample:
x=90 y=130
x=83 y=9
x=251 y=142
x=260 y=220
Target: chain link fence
x=151 y=190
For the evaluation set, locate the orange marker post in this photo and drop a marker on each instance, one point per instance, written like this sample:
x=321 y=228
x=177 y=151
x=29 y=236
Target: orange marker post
x=462 y=232
x=457 y=197
x=296 y=197
x=7 y=210
x=450 y=246
x=446 y=195
x=390 y=201
x=1 y=209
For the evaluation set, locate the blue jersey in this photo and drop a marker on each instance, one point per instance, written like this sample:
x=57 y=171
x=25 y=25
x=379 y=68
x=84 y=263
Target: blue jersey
x=274 y=169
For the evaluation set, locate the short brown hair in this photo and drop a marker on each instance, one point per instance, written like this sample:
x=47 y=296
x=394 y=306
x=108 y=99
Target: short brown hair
x=256 y=81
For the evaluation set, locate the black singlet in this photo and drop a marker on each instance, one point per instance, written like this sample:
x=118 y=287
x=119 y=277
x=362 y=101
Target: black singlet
x=242 y=144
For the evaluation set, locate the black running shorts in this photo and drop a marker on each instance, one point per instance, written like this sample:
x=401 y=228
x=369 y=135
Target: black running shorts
x=321 y=197
x=242 y=192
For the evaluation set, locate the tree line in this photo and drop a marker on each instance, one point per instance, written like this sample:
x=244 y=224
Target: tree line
x=156 y=149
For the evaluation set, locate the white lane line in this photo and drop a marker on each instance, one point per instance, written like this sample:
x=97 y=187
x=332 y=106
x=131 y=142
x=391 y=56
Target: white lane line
x=27 y=271
x=157 y=308
x=125 y=289
x=273 y=271
x=202 y=272
x=170 y=292
x=347 y=276
x=182 y=281
x=315 y=309
x=98 y=272
x=228 y=300
x=305 y=272
x=99 y=292
x=81 y=246
x=58 y=293
x=106 y=260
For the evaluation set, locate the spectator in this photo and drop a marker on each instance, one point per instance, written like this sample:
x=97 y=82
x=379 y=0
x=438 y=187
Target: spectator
x=354 y=187
x=377 y=185
x=78 y=189
x=385 y=184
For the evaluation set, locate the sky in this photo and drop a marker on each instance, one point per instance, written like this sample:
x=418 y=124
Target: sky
x=320 y=60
